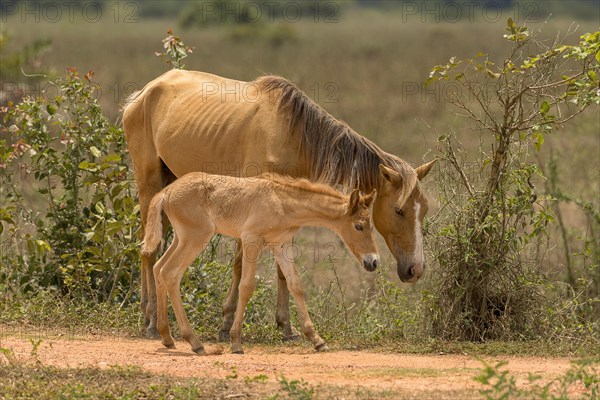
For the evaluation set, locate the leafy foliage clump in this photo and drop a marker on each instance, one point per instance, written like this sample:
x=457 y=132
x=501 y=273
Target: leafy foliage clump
x=489 y=243
x=69 y=216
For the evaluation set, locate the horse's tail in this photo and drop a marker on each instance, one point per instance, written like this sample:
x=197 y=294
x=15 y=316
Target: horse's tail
x=132 y=97
x=153 y=228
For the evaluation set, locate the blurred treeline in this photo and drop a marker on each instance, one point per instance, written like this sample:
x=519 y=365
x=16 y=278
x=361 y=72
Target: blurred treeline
x=201 y=12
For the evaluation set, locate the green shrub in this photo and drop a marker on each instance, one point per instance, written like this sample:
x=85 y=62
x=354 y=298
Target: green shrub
x=68 y=212
x=488 y=245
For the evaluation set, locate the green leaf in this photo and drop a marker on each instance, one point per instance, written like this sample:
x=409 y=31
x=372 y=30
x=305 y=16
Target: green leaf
x=491 y=74
x=95 y=152
x=544 y=108
x=112 y=158
x=100 y=208
x=510 y=23
x=51 y=109
x=539 y=140
x=598 y=56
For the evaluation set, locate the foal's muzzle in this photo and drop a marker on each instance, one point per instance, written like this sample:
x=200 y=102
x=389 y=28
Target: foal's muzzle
x=370 y=262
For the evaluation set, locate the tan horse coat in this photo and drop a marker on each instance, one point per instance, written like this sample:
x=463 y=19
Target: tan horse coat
x=263 y=212
x=186 y=121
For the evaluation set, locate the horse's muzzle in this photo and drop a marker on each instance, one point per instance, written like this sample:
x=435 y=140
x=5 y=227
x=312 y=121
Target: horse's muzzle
x=370 y=262
x=410 y=273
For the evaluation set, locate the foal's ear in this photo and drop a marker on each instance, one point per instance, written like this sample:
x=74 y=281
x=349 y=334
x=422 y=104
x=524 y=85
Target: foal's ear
x=368 y=199
x=353 y=203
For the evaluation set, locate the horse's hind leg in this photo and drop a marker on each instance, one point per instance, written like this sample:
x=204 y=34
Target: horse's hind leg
x=294 y=282
x=146 y=190
x=150 y=177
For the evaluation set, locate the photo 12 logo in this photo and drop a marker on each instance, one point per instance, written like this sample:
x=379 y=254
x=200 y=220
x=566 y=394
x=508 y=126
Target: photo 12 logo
x=267 y=11
x=468 y=11
x=71 y=11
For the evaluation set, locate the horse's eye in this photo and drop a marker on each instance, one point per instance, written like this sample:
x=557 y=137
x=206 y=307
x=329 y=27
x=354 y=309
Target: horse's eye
x=399 y=211
x=358 y=227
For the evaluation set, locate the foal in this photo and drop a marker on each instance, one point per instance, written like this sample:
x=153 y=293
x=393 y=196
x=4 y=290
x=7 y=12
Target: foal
x=262 y=211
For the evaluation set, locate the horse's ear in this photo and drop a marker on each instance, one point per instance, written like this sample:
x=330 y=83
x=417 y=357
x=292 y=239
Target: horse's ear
x=353 y=203
x=368 y=199
x=424 y=169
x=390 y=175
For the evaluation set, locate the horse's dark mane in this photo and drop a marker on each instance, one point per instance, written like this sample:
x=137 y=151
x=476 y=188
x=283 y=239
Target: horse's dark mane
x=334 y=153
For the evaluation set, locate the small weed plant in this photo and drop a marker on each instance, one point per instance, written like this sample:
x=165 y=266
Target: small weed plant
x=583 y=377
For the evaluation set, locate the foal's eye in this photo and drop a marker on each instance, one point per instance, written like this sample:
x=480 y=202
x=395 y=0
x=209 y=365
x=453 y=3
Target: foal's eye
x=358 y=227
x=399 y=211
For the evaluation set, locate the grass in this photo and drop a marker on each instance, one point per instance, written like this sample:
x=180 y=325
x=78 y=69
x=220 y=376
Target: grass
x=19 y=380
x=35 y=381
x=47 y=316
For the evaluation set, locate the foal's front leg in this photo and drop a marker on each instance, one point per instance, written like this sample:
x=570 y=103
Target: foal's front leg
x=251 y=253
x=231 y=300
x=294 y=283
x=282 y=313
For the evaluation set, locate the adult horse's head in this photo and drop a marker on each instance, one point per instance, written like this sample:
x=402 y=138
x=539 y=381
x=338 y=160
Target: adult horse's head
x=398 y=215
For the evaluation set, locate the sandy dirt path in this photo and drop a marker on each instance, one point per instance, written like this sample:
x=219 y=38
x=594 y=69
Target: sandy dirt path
x=424 y=376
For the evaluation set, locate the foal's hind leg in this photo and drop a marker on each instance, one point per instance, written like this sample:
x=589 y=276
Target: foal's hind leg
x=191 y=242
x=162 y=320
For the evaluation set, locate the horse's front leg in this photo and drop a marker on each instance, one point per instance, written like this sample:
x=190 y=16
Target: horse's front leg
x=294 y=283
x=282 y=313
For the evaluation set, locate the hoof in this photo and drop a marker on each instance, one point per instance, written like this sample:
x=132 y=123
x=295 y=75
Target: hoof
x=321 y=347
x=169 y=345
x=152 y=333
x=291 y=338
x=224 y=336
x=237 y=349
x=200 y=351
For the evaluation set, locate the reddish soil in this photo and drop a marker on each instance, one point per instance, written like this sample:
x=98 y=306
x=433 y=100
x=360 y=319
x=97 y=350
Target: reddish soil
x=423 y=376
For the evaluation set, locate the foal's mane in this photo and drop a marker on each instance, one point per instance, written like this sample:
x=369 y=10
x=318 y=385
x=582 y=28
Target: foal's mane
x=302 y=184
x=333 y=152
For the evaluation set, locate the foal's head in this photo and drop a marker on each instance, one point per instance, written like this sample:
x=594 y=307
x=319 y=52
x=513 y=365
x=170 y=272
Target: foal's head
x=356 y=229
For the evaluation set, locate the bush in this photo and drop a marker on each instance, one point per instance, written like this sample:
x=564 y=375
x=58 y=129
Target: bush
x=488 y=246
x=70 y=221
